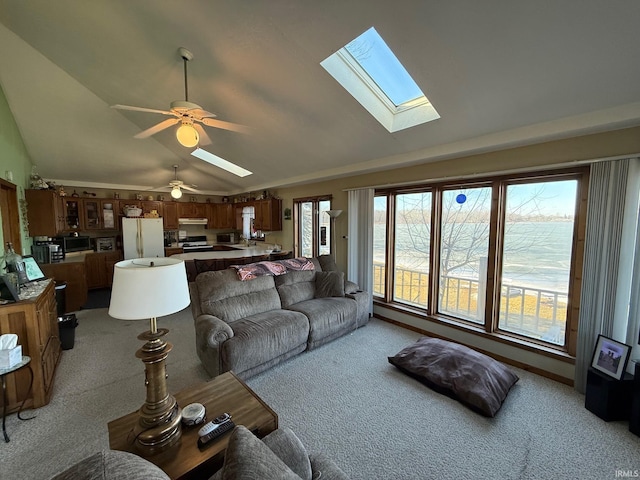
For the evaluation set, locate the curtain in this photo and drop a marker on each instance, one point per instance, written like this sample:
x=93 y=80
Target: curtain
x=360 y=241
x=605 y=210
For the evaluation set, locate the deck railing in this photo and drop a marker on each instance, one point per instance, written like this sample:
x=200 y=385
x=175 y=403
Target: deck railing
x=534 y=312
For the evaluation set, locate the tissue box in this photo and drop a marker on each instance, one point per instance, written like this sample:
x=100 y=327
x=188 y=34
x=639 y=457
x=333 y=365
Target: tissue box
x=10 y=356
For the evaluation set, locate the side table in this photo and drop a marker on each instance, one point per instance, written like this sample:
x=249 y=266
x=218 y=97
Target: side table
x=3 y=374
x=608 y=398
x=184 y=460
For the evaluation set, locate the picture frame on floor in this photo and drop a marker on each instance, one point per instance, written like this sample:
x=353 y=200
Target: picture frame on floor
x=610 y=357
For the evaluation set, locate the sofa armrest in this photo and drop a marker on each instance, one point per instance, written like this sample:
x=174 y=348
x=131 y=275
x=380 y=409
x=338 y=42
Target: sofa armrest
x=211 y=333
x=325 y=468
x=350 y=287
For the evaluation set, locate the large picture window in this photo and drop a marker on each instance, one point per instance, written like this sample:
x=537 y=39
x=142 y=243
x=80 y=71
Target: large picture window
x=495 y=255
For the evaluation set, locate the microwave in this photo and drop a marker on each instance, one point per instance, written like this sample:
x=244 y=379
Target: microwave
x=73 y=244
x=229 y=238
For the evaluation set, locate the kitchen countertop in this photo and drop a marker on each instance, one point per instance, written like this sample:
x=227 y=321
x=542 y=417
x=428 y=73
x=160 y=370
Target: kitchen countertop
x=239 y=251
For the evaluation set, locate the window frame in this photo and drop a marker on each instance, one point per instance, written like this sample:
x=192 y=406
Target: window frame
x=498 y=186
x=315 y=226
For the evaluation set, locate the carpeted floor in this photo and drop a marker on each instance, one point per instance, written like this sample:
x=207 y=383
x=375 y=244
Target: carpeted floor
x=343 y=399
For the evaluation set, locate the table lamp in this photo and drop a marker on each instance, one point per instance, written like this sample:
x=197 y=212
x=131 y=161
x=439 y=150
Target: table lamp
x=149 y=288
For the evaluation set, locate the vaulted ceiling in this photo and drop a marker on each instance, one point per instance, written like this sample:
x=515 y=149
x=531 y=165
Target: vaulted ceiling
x=501 y=73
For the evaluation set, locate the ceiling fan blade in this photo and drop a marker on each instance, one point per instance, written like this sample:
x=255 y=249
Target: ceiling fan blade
x=204 y=138
x=141 y=109
x=200 y=113
x=187 y=187
x=234 y=127
x=157 y=128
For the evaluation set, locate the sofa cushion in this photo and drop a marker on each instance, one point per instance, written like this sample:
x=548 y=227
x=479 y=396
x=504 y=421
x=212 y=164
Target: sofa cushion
x=263 y=337
x=476 y=380
x=112 y=465
x=295 y=287
x=223 y=295
x=329 y=284
x=247 y=458
x=288 y=447
x=328 y=317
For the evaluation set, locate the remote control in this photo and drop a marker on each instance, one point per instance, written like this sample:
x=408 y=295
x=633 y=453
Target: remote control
x=214 y=424
x=204 y=440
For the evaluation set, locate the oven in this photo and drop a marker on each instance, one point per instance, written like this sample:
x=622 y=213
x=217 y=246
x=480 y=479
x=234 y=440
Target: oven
x=196 y=243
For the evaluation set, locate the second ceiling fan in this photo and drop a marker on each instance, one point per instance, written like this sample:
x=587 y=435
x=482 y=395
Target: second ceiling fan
x=190 y=115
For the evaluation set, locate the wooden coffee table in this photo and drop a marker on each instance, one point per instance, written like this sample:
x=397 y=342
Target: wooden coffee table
x=225 y=393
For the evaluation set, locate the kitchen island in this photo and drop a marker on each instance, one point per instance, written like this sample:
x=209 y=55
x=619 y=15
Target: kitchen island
x=241 y=254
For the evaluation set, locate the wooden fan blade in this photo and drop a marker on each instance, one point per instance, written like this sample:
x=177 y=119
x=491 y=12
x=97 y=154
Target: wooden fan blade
x=204 y=138
x=141 y=109
x=157 y=128
x=187 y=187
x=234 y=127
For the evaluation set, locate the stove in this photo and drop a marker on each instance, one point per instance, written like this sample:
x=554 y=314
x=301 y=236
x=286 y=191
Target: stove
x=197 y=243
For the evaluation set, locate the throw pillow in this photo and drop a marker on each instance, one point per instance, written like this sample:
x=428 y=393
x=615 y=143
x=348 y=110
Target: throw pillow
x=247 y=458
x=476 y=380
x=329 y=284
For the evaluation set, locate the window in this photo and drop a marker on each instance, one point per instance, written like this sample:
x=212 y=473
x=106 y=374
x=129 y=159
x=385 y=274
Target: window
x=379 y=244
x=412 y=247
x=369 y=70
x=312 y=226
x=495 y=256
x=464 y=245
x=536 y=259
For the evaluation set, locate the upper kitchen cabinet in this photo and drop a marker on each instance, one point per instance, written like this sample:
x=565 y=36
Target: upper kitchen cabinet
x=44 y=213
x=49 y=214
x=192 y=210
x=170 y=216
x=100 y=214
x=221 y=215
x=268 y=214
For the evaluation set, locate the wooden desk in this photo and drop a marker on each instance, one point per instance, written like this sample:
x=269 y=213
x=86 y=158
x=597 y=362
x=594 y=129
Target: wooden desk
x=225 y=393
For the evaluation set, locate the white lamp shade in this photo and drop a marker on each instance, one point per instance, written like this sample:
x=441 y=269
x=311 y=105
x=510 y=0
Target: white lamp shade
x=176 y=192
x=141 y=291
x=187 y=135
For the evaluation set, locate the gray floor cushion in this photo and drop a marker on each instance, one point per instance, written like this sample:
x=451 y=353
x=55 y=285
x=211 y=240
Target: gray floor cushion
x=476 y=380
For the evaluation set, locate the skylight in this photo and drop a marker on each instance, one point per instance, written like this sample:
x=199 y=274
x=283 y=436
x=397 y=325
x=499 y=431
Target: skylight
x=220 y=162
x=368 y=69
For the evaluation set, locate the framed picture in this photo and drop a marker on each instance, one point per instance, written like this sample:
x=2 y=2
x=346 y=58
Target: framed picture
x=610 y=357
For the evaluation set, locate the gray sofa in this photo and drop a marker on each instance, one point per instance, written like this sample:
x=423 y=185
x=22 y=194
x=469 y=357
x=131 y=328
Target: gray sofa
x=250 y=326
x=280 y=455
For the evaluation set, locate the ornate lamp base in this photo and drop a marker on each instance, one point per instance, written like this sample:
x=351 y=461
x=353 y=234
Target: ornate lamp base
x=159 y=425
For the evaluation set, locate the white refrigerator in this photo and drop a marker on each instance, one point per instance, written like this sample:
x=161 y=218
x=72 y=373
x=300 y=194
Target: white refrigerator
x=142 y=237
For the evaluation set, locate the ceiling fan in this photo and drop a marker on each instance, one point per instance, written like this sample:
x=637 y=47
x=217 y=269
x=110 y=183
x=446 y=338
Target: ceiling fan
x=176 y=185
x=188 y=114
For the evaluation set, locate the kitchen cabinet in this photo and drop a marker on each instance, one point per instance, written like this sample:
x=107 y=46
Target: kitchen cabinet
x=192 y=210
x=100 y=214
x=74 y=275
x=44 y=213
x=168 y=251
x=99 y=268
x=72 y=213
x=268 y=214
x=221 y=215
x=170 y=216
x=35 y=322
x=149 y=206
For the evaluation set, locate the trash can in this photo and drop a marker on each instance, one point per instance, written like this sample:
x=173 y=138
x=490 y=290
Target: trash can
x=61 y=297
x=67 y=329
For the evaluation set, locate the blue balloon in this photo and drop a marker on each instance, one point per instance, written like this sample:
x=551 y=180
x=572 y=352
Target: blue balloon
x=461 y=198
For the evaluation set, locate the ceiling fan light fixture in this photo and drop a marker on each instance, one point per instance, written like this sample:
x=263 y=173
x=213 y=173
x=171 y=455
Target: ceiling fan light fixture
x=176 y=192
x=187 y=135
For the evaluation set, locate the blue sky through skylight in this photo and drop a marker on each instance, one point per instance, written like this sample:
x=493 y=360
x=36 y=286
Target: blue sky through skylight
x=376 y=58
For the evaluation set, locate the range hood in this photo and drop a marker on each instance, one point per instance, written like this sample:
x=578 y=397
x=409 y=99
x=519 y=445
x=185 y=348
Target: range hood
x=192 y=221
